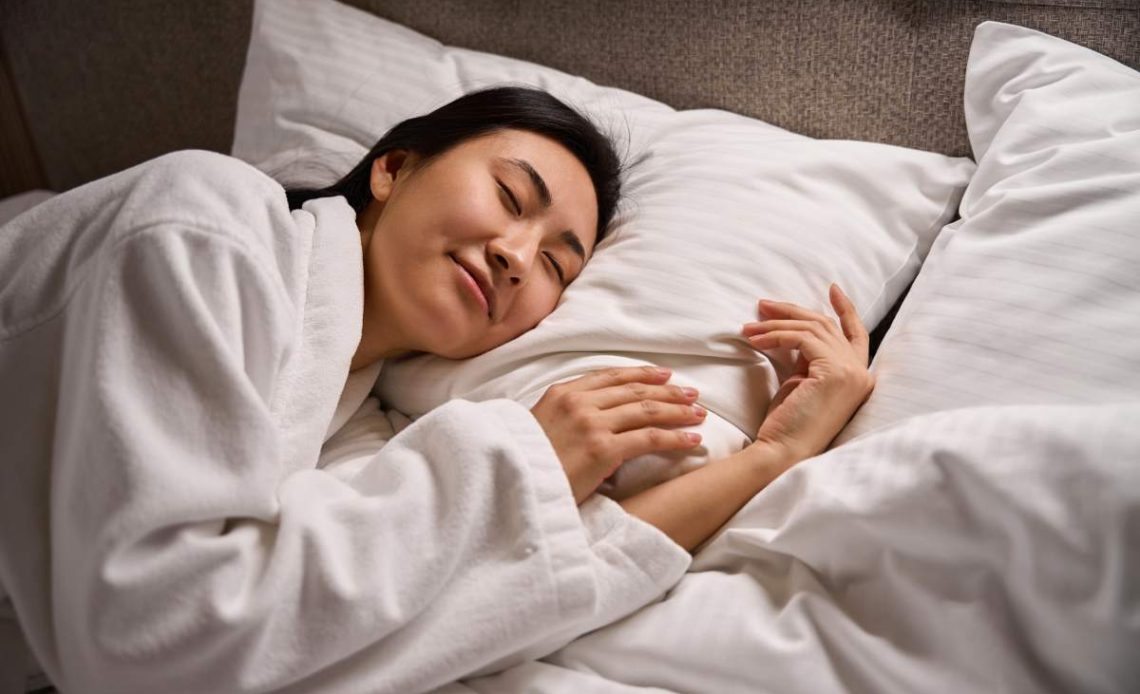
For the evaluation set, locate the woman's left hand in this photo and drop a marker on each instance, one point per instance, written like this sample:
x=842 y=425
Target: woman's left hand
x=812 y=405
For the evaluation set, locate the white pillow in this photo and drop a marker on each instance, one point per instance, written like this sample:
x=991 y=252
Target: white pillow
x=720 y=211
x=1033 y=296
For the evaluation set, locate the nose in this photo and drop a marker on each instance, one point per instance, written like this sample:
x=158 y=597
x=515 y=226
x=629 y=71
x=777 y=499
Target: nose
x=514 y=251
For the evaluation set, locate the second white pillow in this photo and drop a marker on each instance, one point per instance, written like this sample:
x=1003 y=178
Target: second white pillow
x=1032 y=296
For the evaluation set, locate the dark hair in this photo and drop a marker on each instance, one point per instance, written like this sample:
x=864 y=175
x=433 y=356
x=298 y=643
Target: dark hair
x=481 y=113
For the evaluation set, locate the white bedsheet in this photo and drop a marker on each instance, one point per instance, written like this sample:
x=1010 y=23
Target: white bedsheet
x=984 y=549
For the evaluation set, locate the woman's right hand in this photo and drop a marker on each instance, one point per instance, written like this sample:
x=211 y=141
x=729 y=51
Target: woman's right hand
x=598 y=421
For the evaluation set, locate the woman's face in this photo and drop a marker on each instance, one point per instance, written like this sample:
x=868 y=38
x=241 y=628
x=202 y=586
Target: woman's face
x=515 y=208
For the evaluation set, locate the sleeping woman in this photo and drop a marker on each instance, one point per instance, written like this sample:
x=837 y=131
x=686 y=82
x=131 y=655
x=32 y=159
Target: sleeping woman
x=179 y=340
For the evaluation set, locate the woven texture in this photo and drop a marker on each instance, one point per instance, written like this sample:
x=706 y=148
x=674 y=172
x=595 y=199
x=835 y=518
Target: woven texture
x=109 y=84
x=888 y=70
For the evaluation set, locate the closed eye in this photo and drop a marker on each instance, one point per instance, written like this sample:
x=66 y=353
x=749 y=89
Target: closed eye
x=515 y=206
x=557 y=268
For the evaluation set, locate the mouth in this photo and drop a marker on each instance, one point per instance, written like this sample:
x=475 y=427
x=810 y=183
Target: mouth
x=478 y=285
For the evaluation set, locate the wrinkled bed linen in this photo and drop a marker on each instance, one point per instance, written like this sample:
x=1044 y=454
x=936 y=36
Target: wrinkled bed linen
x=977 y=550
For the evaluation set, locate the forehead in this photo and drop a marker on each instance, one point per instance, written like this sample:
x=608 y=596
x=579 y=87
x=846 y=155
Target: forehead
x=573 y=201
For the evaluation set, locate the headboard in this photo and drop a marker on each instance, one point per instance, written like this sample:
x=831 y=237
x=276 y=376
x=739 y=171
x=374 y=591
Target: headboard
x=90 y=88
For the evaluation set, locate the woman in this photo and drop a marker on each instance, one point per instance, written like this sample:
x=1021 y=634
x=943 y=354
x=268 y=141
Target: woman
x=182 y=340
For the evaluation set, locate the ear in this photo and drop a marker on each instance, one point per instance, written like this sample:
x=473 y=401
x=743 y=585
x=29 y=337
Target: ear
x=385 y=169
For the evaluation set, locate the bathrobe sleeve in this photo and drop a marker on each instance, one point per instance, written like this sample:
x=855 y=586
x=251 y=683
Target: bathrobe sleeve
x=186 y=556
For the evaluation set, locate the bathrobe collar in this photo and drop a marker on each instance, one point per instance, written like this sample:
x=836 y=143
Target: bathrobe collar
x=328 y=291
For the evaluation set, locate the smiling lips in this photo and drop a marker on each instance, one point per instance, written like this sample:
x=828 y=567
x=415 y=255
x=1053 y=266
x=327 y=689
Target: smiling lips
x=469 y=280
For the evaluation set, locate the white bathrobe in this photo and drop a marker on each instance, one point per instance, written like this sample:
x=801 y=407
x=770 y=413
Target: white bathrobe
x=174 y=353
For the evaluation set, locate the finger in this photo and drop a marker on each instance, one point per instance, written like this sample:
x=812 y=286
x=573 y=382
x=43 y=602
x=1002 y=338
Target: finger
x=813 y=327
x=644 y=413
x=853 y=328
x=785 y=309
x=642 y=441
x=613 y=396
x=615 y=376
x=810 y=346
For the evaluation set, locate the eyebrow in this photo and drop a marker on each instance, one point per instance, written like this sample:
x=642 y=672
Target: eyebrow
x=567 y=237
x=571 y=239
x=535 y=178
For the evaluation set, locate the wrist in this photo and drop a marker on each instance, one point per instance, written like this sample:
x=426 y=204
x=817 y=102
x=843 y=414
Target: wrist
x=765 y=461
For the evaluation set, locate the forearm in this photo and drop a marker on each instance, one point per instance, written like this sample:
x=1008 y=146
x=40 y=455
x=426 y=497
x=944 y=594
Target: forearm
x=690 y=508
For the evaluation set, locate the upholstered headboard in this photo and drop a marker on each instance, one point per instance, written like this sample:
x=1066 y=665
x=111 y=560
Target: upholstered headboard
x=89 y=88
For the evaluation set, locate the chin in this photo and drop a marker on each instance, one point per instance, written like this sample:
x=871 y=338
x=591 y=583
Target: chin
x=468 y=351
x=448 y=349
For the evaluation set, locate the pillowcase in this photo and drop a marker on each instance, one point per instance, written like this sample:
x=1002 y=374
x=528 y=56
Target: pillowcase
x=720 y=211
x=1032 y=297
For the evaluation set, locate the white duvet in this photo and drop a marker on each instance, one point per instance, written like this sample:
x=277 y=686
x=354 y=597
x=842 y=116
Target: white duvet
x=985 y=549
x=978 y=550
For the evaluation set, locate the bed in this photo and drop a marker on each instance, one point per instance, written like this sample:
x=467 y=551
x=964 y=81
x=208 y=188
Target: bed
x=968 y=171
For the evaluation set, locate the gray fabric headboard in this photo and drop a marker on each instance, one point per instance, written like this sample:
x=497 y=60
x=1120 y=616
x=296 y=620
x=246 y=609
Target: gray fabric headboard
x=90 y=88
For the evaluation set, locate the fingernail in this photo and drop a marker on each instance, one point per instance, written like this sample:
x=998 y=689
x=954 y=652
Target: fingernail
x=690 y=392
x=694 y=438
x=662 y=371
x=699 y=411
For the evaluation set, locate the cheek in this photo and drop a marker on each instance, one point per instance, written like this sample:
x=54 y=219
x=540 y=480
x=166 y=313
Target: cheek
x=530 y=308
x=464 y=214
x=533 y=305
x=433 y=213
